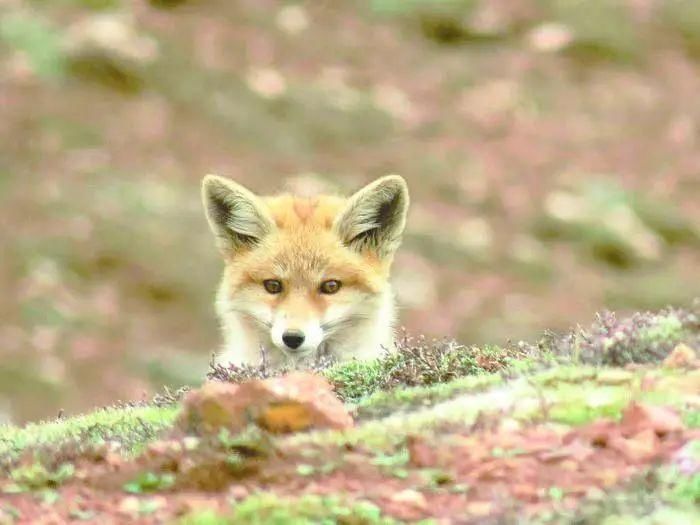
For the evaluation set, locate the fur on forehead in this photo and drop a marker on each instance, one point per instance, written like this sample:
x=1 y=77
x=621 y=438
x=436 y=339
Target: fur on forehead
x=307 y=255
x=314 y=213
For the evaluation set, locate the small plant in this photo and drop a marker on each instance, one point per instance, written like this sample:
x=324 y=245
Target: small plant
x=399 y=458
x=692 y=419
x=688 y=489
x=306 y=510
x=555 y=493
x=305 y=469
x=37 y=476
x=252 y=442
x=437 y=478
x=149 y=482
x=37 y=40
x=416 y=361
x=394 y=464
x=81 y=515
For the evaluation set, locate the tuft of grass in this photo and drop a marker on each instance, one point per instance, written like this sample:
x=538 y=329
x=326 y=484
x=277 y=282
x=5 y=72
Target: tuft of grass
x=37 y=40
x=692 y=418
x=36 y=476
x=149 y=482
x=580 y=404
x=384 y=403
x=204 y=517
x=264 y=508
x=645 y=337
x=267 y=508
x=129 y=427
x=414 y=362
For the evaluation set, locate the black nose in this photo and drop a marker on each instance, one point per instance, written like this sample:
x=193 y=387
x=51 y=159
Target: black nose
x=293 y=339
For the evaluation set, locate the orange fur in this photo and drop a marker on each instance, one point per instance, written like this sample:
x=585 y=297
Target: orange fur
x=301 y=247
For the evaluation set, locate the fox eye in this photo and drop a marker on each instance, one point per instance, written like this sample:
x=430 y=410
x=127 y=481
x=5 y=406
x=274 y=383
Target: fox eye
x=330 y=287
x=272 y=286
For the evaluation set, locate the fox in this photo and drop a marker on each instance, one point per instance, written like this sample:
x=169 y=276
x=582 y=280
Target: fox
x=305 y=277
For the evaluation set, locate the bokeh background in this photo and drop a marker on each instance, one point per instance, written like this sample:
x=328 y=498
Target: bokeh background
x=551 y=147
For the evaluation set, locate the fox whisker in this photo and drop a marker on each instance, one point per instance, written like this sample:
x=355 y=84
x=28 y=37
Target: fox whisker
x=331 y=327
x=250 y=316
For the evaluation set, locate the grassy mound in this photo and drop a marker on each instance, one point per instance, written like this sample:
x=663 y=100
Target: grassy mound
x=580 y=426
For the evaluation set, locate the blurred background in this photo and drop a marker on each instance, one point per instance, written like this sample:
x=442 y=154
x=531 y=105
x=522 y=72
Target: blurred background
x=551 y=147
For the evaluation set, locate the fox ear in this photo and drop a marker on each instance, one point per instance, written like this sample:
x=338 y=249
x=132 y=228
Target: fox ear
x=375 y=217
x=236 y=216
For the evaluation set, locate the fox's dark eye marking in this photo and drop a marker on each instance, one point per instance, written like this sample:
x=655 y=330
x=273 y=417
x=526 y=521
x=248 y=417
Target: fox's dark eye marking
x=272 y=286
x=330 y=287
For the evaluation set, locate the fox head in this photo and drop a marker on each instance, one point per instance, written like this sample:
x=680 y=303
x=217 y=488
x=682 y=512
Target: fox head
x=303 y=272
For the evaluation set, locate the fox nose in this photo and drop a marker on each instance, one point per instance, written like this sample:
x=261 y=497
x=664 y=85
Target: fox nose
x=293 y=339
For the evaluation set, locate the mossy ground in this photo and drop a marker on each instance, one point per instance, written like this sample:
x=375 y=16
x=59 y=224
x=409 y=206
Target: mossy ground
x=439 y=395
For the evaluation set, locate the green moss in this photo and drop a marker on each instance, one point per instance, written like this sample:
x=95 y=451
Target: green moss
x=417 y=362
x=666 y=328
x=267 y=508
x=36 y=476
x=355 y=379
x=403 y=399
x=205 y=517
x=565 y=374
x=132 y=427
x=149 y=482
x=38 y=40
x=580 y=404
x=692 y=418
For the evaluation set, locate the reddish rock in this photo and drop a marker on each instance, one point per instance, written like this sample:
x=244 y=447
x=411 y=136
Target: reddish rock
x=211 y=407
x=682 y=356
x=641 y=447
x=292 y=403
x=638 y=417
x=598 y=433
x=421 y=454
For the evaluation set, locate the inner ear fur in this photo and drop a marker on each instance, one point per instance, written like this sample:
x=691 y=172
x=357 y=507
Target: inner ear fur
x=235 y=215
x=375 y=217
